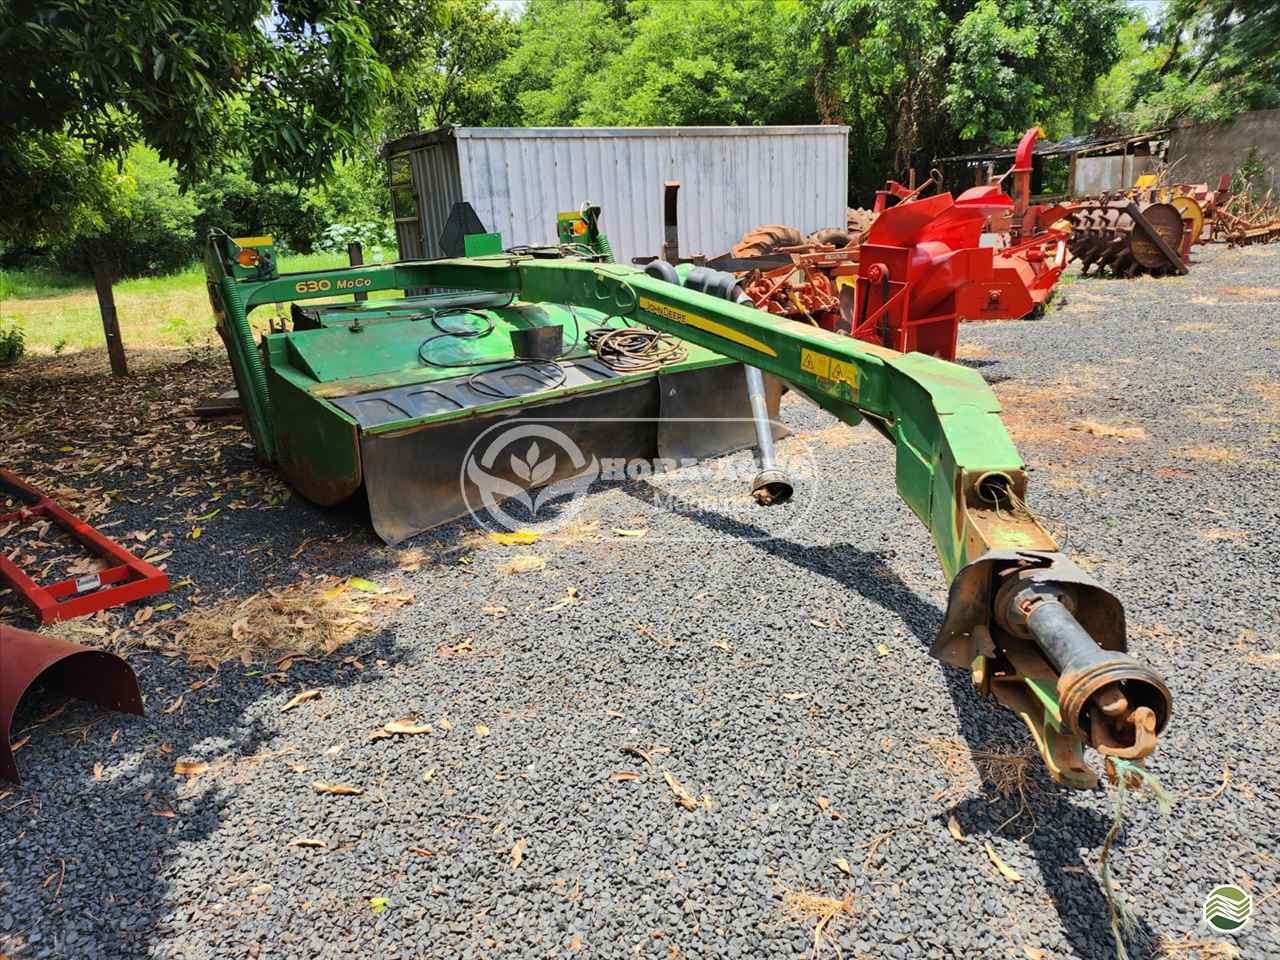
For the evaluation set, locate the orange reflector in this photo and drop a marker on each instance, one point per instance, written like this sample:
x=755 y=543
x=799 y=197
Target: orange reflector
x=247 y=257
x=579 y=227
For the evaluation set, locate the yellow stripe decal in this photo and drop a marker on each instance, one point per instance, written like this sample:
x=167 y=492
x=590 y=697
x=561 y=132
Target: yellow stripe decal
x=702 y=323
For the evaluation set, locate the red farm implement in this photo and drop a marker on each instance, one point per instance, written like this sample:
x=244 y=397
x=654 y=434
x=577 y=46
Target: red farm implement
x=125 y=578
x=924 y=265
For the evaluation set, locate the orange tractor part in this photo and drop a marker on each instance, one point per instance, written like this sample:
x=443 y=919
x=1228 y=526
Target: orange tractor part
x=63 y=667
x=923 y=269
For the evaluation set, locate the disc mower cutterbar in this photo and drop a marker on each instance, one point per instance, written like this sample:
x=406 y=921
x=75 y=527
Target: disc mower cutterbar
x=66 y=668
x=1038 y=633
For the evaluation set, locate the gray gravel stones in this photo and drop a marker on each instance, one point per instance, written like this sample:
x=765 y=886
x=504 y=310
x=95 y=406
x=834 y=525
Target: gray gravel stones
x=749 y=671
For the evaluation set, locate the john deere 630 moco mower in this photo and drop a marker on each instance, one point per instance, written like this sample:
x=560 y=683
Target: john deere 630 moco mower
x=386 y=394
x=389 y=395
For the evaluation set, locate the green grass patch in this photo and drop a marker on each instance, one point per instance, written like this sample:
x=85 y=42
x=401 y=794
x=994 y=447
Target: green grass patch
x=59 y=312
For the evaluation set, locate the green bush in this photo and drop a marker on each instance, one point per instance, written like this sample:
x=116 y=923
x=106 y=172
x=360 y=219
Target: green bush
x=233 y=201
x=355 y=205
x=13 y=342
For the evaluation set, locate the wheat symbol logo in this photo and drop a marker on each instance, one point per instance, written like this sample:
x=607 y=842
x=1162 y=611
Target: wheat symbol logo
x=1227 y=908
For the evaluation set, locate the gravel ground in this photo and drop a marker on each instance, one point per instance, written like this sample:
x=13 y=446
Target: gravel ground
x=784 y=682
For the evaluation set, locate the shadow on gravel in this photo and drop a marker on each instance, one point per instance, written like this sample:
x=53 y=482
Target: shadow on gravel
x=1062 y=829
x=94 y=868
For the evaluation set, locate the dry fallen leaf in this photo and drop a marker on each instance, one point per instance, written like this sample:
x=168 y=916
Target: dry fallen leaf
x=429 y=775
x=683 y=796
x=307 y=842
x=1006 y=871
x=882 y=649
x=301 y=698
x=1035 y=953
x=843 y=866
x=336 y=789
x=629 y=533
x=517 y=853
x=445 y=722
x=404 y=727
x=516 y=538
x=189 y=768
x=823 y=803
x=175 y=706
x=482 y=730
x=624 y=775
x=794 y=696
x=297 y=767
x=953 y=826
x=575 y=943
x=99 y=771
x=421 y=851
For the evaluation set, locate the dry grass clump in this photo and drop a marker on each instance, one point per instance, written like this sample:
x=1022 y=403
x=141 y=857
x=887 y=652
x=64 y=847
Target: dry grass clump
x=825 y=913
x=1005 y=768
x=1099 y=429
x=311 y=617
x=1191 y=949
x=1208 y=454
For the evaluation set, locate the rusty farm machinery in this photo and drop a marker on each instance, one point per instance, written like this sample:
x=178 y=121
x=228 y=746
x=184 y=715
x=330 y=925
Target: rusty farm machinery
x=905 y=274
x=368 y=399
x=28 y=659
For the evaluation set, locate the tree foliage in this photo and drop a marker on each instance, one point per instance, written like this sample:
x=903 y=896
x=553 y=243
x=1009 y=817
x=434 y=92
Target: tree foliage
x=1206 y=60
x=451 y=74
x=917 y=79
x=287 y=83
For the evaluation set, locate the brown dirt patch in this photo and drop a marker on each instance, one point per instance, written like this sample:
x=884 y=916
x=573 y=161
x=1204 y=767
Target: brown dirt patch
x=1208 y=454
x=1253 y=294
x=1099 y=429
x=972 y=351
x=1218 y=534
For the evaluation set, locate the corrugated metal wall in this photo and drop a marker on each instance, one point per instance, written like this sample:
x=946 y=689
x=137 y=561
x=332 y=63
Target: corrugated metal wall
x=732 y=179
x=1106 y=174
x=439 y=185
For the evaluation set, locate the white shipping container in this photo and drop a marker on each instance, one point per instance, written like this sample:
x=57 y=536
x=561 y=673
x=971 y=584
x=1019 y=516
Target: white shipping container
x=731 y=180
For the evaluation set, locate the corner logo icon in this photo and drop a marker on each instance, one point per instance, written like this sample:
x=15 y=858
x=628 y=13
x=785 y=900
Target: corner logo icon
x=1227 y=908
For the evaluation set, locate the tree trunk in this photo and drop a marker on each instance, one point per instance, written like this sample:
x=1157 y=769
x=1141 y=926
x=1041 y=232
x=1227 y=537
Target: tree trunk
x=102 y=281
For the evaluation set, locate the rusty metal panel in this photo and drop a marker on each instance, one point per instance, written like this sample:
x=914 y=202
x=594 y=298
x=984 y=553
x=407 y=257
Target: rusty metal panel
x=439 y=187
x=733 y=179
x=1095 y=175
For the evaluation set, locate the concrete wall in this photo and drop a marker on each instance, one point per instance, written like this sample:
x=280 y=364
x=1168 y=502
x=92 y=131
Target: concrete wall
x=1206 y=151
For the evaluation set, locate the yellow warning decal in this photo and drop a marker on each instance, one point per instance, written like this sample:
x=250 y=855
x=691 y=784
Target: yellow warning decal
x=828 y=368
x=252 y=241
x=710 y=326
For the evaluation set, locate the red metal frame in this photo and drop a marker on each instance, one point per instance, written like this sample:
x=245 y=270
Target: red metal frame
x=130 y=579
